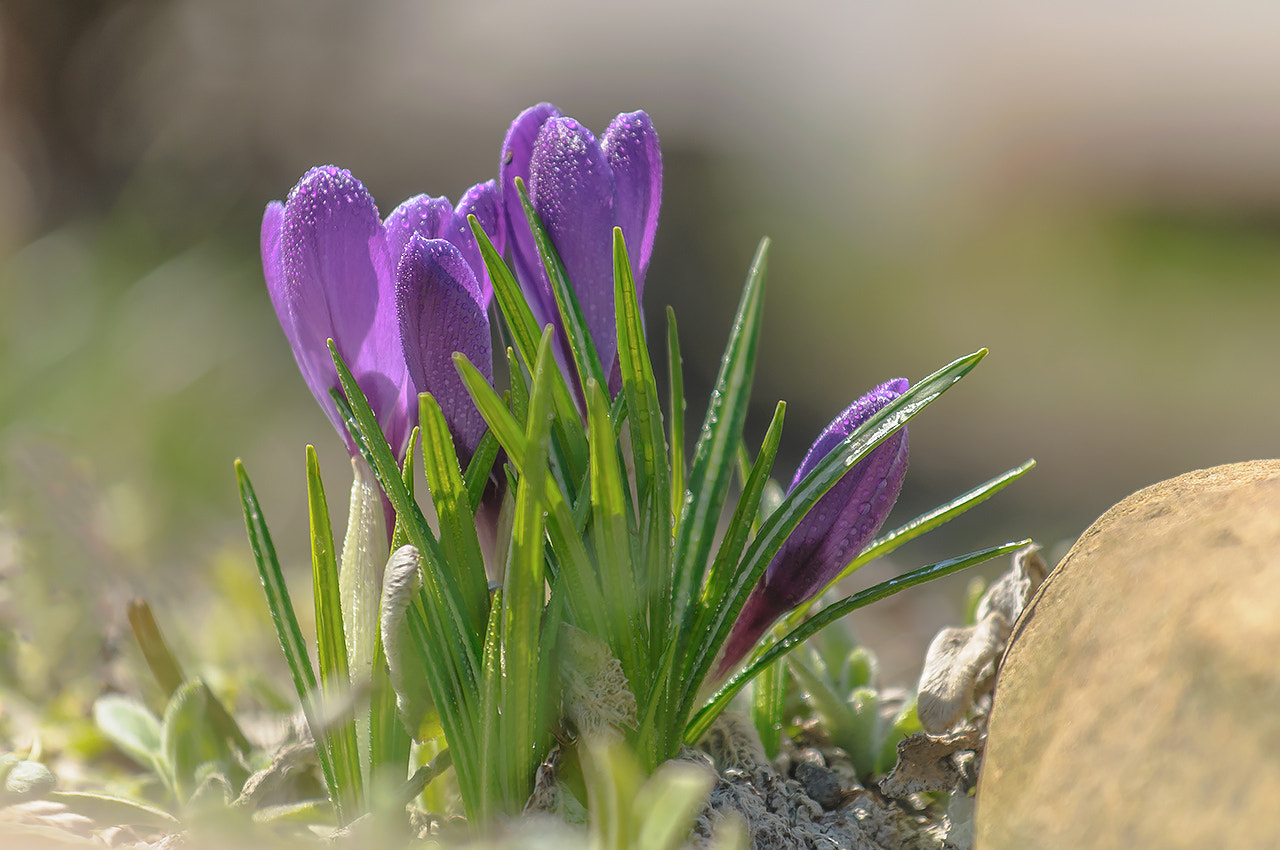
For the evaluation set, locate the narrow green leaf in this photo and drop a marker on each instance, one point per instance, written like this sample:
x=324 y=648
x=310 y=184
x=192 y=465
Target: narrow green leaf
x=720 y=578
x=585 y=598
x=524 y=593
x=455 y=700
x=526 y=333
x=280 y=605
x=390 y=741
x=168 y=672
x=675 y=375
x=440 y=586
x=479 y=469
x=851 y=724
x=647 y=438
x=717 y=445
x=768 y=698
x=689 y=643
x=610 y=536
x=331 y=646
x=654 y=516
x=438 y=616
x=457 y=523
x=720 y=700
x=160 y=659
x=491 y=763
x=400 y=534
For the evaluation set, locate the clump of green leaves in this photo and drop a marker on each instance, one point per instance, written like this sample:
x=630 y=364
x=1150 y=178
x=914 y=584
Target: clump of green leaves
x=608 y=528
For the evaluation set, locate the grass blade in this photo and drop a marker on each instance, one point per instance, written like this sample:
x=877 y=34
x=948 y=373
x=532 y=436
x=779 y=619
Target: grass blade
x=675 y=375
x=449 y=495
x=479 y=469
x=331 y=643
x=768 y=696
x=526 y=333
x=647 y=439
x=282 y=616
x=440 y=585
x=717 y=445
x=682 y=689
x=654 y=516
x=490 y=704
x=522 y=736
x=585 y=598
x=610 y=536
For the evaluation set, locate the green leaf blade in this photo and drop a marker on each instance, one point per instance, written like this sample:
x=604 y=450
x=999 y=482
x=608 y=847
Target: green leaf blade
x=331 y=645
x=718 y=441
x=458 y=538
x=720 y=700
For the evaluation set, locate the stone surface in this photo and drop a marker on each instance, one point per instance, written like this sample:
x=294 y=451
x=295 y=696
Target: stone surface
x=1139 y=702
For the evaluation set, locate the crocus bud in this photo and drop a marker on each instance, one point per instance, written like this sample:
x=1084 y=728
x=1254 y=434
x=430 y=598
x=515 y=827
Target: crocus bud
x=331 y=269
x=582 y=188
x=442 y=311
x=442 y=294
x=838 y=527
x=324 y=256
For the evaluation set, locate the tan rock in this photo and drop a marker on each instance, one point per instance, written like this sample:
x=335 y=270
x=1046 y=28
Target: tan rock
x=1139 y=702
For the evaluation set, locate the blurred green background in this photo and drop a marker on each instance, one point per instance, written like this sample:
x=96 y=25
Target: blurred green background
x=1092 y=192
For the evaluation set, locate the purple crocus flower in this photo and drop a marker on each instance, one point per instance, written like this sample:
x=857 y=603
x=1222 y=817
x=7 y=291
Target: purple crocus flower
x=442 y=310
x=331 y=267
x=837 y=528
x=442 y=294
x=582 y=188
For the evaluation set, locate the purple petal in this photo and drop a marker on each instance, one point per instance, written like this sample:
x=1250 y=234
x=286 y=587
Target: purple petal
x=517 y=153
x=632 y=150
x=482 y=201
x=430 y=218
x=572 y=189
x=272 y=222
x=849 y=420
x=330 y=283
x=440 y=310
x=335 y=282
x=380 y=367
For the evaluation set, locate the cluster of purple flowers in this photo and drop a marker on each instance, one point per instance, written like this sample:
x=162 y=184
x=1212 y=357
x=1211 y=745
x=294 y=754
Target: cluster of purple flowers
x=399 y=296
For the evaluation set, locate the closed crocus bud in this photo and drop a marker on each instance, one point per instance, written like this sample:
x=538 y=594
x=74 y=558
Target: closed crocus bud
x=331 y=269
x=442 y=310
x=442 y=294
x=582 y=188
x=329 y=274
x=838 y=527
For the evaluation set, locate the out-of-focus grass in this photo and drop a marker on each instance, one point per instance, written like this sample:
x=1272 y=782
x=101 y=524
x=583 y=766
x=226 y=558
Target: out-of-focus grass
x=132 y=373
